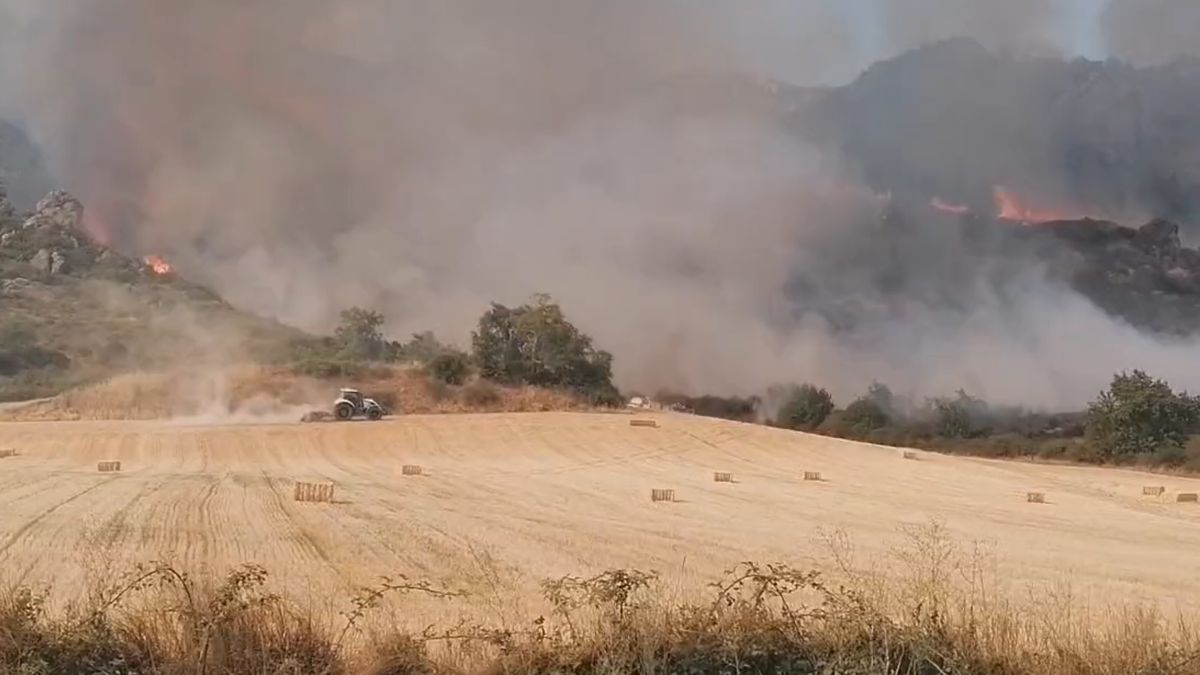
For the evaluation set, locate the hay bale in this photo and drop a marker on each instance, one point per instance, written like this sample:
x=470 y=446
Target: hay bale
x=652 y=424
x=660 y=495
x=7 y=452
x=108 y=467
x=411 y=470
x=722 y=477
x=313 y=492
x=1153 y=490
x=909 y=454
x=812 y=475
x=1187 y=497
x=1035 y=497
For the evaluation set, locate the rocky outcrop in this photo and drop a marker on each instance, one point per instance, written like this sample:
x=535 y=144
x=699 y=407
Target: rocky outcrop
x=52 y=240
x=57 y=210
x=1144 y=275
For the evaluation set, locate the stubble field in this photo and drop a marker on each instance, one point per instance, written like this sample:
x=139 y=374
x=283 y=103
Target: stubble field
x=505 y=501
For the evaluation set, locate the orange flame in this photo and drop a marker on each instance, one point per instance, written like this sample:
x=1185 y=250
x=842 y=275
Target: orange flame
x=159 y=265
x=946 y=207
x=1010 y=207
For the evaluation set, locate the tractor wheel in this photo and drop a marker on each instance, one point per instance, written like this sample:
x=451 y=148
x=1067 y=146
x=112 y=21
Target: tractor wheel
x=374 y=414
x=343 y=411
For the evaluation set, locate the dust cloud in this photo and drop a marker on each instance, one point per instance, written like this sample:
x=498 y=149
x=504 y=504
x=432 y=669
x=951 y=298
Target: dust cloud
x=638 y=160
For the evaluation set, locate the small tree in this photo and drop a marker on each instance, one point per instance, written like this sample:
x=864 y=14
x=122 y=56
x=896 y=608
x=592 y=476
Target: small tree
x=882 y=397
x=1138 y=414
x=535 y=344
x=804 y=408
x=359 y=334
x=951 y=419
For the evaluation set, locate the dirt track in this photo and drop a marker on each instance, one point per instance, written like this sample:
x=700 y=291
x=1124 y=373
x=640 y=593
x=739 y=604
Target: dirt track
x=510 y=499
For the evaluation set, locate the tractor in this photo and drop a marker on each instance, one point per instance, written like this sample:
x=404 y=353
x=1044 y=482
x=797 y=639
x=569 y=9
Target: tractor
x=351 y=404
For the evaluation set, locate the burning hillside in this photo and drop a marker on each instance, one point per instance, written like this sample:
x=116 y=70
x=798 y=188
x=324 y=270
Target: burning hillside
x=73 y=310
x=677 y=201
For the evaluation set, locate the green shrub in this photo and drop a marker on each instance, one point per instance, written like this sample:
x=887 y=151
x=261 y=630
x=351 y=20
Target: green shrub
x=450 y=367
x=804 y=408
x=863 y=416
x=327 y=367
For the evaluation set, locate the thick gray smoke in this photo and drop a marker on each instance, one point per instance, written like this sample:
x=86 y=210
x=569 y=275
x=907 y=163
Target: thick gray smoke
x=632 y=158
x=1151 y=32
x=1019 y=26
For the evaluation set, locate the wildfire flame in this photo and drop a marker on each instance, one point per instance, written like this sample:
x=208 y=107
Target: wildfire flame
x=159 y=265
x=1010 y=207
x=946 y=207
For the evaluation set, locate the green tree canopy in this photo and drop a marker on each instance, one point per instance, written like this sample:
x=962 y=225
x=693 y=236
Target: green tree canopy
x=359 y=335
x=1139 y=414
x=864 y=416
x=535 y=344
x=804 y=407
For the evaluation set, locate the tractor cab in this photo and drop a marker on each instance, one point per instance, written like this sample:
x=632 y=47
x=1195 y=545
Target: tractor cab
x=351 y=404
x=354 y=396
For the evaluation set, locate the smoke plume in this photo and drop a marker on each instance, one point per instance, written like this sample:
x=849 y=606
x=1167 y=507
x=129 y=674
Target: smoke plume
x=1151 y=32
x=638 y=160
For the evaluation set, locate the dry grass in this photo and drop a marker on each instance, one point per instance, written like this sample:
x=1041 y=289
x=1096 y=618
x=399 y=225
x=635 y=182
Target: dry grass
x=947 y=612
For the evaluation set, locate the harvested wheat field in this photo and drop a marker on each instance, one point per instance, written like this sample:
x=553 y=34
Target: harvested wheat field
x=503 y=501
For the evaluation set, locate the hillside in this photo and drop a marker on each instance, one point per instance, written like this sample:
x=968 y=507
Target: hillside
x=73 y=310
x=954 y=120
x=1144 y=275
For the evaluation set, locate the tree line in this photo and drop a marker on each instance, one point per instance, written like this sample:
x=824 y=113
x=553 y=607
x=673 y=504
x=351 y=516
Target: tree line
x=1137 y=418
x=534 y=343
x=530 y=344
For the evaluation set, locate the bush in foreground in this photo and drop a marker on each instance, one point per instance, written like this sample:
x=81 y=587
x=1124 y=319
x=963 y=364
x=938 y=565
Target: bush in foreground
x=756 y=619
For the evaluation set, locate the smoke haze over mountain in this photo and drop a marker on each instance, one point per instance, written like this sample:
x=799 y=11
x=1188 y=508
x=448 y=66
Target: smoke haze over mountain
x=640 y=161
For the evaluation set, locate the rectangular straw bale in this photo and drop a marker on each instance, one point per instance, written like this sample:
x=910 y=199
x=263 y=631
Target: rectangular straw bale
x=313 y=492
